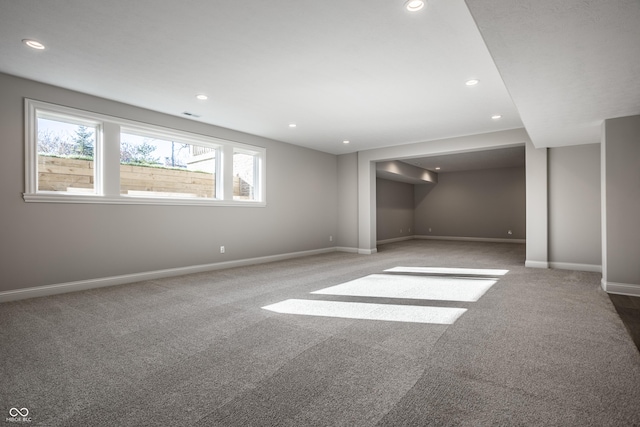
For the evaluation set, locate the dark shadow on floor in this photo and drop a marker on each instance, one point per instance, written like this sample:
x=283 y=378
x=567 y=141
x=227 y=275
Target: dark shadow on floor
x=629 y=310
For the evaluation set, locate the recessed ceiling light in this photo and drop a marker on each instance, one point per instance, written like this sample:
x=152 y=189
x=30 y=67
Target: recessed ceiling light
x=33 y=44
x=292 y=125
x=472 y=82
x=345 y=141
x=414 y=5
x=202 y=97
x=496 y=116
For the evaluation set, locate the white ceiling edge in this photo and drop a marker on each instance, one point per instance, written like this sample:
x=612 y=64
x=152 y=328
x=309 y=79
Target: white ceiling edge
x=566 y=136
x=568 y=65
x=449 y=146
x=496 y=158
x=399 y=177
x=452 y=148
x=405 y=172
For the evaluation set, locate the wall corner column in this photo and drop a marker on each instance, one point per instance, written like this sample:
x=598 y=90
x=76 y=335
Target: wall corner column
x=620 y=169
x=537 y=207
x=366 y=205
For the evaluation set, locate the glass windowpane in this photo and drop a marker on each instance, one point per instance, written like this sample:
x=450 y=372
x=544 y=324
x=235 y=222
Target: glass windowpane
x=66 y=156
x=244 y=176
x=154 y=167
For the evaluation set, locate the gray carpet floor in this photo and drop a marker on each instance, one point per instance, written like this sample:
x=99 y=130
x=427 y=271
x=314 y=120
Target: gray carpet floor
x=541 y=347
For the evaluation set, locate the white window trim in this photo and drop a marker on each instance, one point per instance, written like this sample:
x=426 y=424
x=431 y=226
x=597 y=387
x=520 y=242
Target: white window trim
x=258 y=170
x=106 y=183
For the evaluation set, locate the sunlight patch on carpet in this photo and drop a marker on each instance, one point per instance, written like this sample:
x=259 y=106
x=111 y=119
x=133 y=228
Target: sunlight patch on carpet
x=413 y=287
x=367 y=311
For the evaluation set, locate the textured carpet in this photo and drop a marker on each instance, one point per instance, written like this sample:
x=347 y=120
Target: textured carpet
x=540 y=347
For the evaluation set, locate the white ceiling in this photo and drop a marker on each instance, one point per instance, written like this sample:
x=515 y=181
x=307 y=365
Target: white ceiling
x=568 y=64
x=366 y=71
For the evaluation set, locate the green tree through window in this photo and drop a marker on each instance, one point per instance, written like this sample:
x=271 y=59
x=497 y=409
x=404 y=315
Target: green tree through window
x=84 y=141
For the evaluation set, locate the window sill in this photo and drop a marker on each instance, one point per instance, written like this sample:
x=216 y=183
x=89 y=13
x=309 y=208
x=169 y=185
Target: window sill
x=128 y=200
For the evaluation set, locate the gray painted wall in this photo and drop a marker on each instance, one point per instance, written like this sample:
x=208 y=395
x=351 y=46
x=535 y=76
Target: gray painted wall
x=49 y=243
x=537 y=206
x=367 y=174
x=310 y=196
x=480 y=204
x=395 y=208
x=574 y=207
x=348 y=201
x=621 y=204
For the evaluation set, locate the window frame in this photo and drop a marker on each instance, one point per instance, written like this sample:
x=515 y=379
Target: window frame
x=257 y=170
x=107 y=153
x=62 y=114
x=157 y=132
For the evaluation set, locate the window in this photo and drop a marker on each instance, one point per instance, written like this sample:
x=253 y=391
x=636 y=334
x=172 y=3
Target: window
x=75 y=156
x=246 y=170
x=65 y=154
x=161 y=167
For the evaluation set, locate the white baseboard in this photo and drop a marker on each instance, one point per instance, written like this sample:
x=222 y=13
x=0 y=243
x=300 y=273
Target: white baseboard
x=578 y=267
x=563 y=266
x=41 y=291
x=536 y=264
x=367 y=251
x=471 y=239
x=346 y=249
x=620 y=288
x=395 y=239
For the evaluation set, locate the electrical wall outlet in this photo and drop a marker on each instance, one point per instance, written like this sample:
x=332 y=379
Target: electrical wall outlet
x=222 y=250
x=331 y=238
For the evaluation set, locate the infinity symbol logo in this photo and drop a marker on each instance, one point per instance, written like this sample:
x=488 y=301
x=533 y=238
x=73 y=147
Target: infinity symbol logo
x=14 y=412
